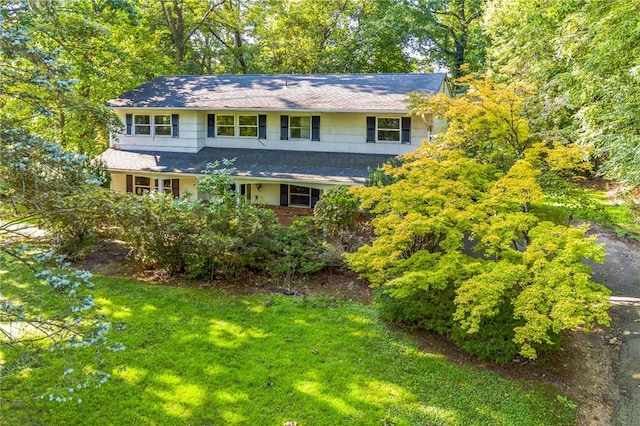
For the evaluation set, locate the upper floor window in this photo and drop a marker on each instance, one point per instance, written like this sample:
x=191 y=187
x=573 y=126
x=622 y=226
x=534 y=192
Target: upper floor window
x=244 y=126
x=152 y=125
x=225 y=125
x=162 y=125
x=248 y=126
x=142 y=124
x=300 y=127
x=388 y=129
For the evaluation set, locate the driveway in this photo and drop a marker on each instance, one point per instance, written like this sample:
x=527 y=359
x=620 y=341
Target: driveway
x=621 y=274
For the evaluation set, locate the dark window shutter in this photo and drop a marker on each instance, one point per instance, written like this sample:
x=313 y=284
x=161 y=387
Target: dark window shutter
x=129 y=183
x=315 y=127
x=175 y=187
x=262 y=126
x=175 y=122
x=129 y=120
x=315 y=196
x=211 y=125
x=284 y=127
x=243 y=189
x=284 y=194
x=406 y=130
x=371 y=129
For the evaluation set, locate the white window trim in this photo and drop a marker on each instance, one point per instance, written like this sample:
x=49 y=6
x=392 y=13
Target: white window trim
x=291 y=128
x=256 y=126
x=398 y=130
x=308 y=194
x=152 y=125
x=155 y=126
x=235 y=121
x=136 y=125
x=237 y=126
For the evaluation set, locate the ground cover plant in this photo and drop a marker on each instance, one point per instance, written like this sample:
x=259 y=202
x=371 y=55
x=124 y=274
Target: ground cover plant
x=197 y=356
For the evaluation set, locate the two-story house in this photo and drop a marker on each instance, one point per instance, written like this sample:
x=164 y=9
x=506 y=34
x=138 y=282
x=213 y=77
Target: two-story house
x=292 y=136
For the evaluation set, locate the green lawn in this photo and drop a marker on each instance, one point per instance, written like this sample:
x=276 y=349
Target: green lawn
x=203 y=357
x=618 y=216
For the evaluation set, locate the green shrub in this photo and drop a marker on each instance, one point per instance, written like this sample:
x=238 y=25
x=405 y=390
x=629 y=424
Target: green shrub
x=298 y=251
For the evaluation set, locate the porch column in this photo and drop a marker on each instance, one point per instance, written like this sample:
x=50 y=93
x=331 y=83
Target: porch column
x=238 y=194
x=160 y=188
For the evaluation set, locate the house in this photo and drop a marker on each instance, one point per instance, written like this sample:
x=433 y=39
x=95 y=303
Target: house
x=292 y=136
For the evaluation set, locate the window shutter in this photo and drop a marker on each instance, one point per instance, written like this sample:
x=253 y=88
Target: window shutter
x=175 y=121
x=284 y=127
x=129 y=183
x=175 y=187
x=129 y=121
x=371 y=129
x=243 y=189
x=262 y=126
x=211 y=125
x=284 y=194
x=315 y=127
x=406 y=130
x=315 y=196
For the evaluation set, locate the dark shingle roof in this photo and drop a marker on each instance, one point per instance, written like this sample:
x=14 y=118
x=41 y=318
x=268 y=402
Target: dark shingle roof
x=319 y=167
x=317 y=92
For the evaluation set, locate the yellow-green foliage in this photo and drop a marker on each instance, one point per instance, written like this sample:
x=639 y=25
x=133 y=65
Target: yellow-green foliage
x=455 y=233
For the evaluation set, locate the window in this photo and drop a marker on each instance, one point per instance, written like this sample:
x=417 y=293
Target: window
x=162 y=125
x=389 y=129
x=299 y=196
x=300 y=127
x=142 y=124
x=248 y=126
x=142 y=185
x=225 y=125
x=152 y=125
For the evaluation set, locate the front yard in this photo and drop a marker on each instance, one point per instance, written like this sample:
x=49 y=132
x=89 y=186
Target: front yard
x=202 y=356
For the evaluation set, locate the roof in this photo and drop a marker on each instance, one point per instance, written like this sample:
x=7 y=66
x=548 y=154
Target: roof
x=258 y=164
x=284 y=92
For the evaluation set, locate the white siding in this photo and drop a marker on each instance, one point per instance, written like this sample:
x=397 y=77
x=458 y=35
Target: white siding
x=186 y=142
x=343 y=132
x=339 y=132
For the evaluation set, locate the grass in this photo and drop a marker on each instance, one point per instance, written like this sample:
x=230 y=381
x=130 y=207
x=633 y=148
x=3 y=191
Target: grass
x=204 y=357
x=598 y=208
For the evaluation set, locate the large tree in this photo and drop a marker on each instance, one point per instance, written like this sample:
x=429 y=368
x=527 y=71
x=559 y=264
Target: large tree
x=582 y=60
x=459 y=248
x=48 y=317
x=449 y=33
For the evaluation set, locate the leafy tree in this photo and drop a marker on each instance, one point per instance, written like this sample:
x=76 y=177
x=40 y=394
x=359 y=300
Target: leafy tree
x=449 y=33
x=49 y=318
x=491 y=121
x=581 y=59
x=460 y=248
x=457 y=252
x=333 y=36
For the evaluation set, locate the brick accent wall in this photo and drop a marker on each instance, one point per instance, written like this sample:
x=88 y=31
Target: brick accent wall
x=287 y=214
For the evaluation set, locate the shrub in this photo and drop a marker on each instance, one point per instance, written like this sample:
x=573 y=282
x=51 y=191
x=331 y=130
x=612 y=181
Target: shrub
x=298 y=250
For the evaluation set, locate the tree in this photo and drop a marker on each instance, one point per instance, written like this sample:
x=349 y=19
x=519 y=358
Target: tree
x=581 y=60
x=460 y=248
x=333 y=36
x=492 y=122
x=49 y=317
x=455 y=252
x=449 y=33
